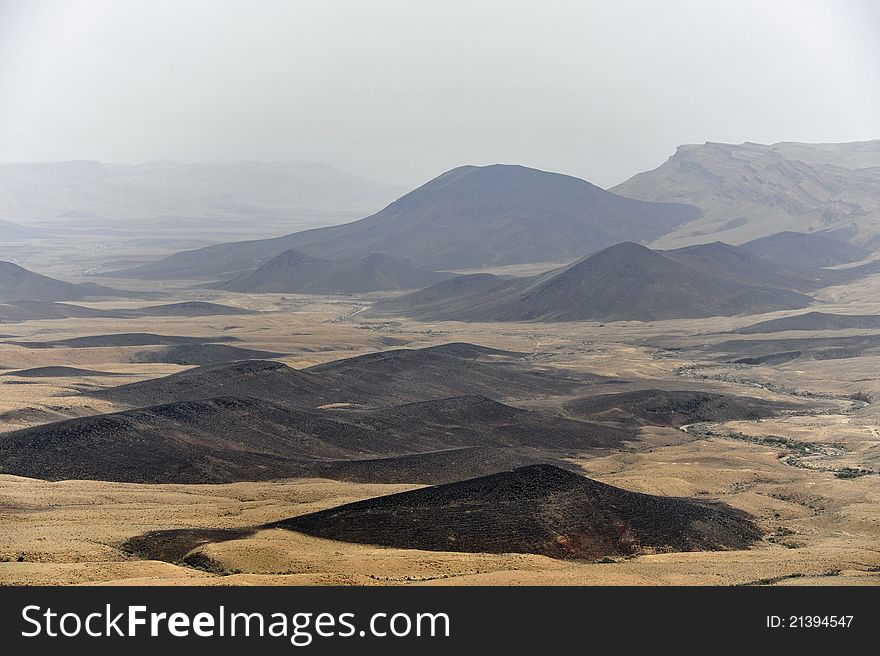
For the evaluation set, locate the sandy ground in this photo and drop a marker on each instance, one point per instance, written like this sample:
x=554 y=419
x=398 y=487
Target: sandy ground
x=820 y=528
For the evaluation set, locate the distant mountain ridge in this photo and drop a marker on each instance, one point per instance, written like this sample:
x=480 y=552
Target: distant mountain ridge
x=798 y=248
x=468 y=217
x=39 y=310
x=88 y=189
x=747 y=191
x=814 y=321
x=623 y=282
x=12 y=231
x=19 y=284
x=293 y=271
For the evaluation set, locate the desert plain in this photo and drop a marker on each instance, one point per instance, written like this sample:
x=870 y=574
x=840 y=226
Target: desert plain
x=809 y=477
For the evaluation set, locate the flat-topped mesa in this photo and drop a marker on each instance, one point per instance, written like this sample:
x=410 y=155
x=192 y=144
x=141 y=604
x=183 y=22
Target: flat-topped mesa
x=751 y=191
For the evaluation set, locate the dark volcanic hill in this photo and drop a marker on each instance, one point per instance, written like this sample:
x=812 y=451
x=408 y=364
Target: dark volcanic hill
x=539 y=509
x=735 y=263
x=58 y=372
x=431 y=468
x=263 y=379
x=814 y=321
x=672 y=407
x=121 y=339
x=468 y=217
x=802 y=249
x=233 y=439
x=288 y=271
x=201 y=354
x=404 y=375
x=771 y=359
x=207 y=441
x=480 y=421
x=383 y=378
x=19 y=284
x=293 y=271
x=187 y=309
x=623 y=282
x=766 y=351
x=39 y=310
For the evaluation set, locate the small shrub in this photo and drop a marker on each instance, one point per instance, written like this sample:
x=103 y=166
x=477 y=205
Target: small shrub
x=851 y=472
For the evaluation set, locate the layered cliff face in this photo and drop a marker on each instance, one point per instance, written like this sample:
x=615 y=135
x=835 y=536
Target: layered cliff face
x=749 y=190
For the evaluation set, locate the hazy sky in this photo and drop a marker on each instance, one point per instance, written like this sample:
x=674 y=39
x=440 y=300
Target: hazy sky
x=402 y=90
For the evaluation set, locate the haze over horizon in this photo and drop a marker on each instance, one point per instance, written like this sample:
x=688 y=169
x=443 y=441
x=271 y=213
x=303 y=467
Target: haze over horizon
x=592 y=89
x=468 y=293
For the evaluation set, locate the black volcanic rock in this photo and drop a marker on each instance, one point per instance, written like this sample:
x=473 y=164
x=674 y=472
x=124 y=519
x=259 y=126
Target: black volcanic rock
x=539 y=509
x=820 y=348
x=58 y=372
x=200 y=354
x=466 y=298
x=41 y=310
x=207 y=441
x=173 y=545
x=674 y=407
x=468 y=217
x=802 y=249
x=480 y=421
x=431 y=468
x=293 y=271
x=186 y=309
x=814 y=321
x=404 y=375
x=379 y=272
x=284 y=271
x=736 y=264
x=383 y=378
x=120 y=340
x=227 y=439
x=264 y=379
x=623 y=282
x=772 y=359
